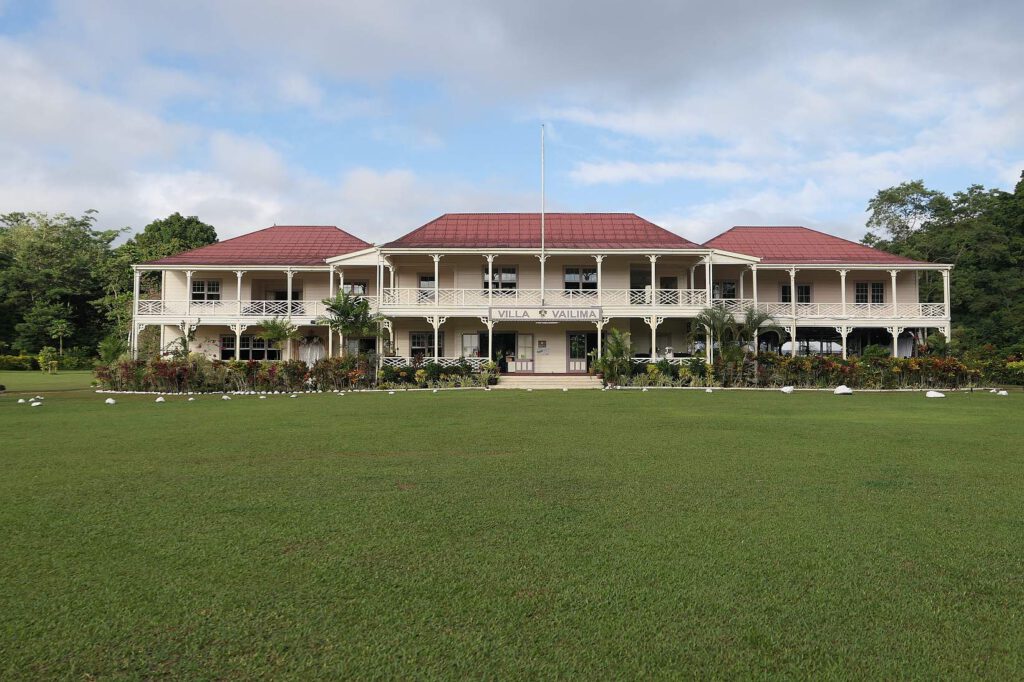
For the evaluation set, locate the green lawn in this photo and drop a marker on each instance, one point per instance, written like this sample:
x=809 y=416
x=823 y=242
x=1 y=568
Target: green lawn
x=37 y=382
x=513 y=534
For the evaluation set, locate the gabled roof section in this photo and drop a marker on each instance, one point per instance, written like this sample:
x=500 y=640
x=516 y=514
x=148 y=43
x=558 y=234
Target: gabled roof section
x=795 y=244
x=522 y=231
x=278 y=245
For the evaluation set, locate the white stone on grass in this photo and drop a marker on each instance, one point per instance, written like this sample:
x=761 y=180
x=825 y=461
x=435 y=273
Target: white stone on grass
x=1003 y=393
x=565 y=390
x=787 y=389
x=934 y=394
x=160 y=400
x=21 y=401
x=35 y=403
x=842 y=389
x=191 y=400
x=263 y=397
x=225 y=397
x=645 y=389
x=110 y=401
x=435 y=390
x=708 y=390
x=391 y=392
x=293 y=395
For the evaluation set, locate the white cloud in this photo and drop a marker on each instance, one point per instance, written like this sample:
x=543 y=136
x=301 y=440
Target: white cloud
x=591 y=173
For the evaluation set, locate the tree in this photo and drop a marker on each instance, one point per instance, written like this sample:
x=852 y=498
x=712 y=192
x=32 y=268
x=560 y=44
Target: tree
x=754 y=323
x=350 y=315
x=718 y=325
x=276 y=330
x=171 y=235
x=981 y=233
x=616 y=360
x=60 y=330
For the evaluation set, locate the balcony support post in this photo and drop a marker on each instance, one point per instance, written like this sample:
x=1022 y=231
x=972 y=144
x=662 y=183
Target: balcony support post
x=490 y=283
x=133 y=337
x=238 y=290
x=707 y=280
x=892 y=274
x=653 y=321
x=792 y=336
x=743 y=275
x=288 y=347
x=842 y=297
x=600 y=332
x=489 y=323
x=792 y=298
x=843 y=332
x=436 y=321
x=753 y=282
x=654 y=283
x=945 y=292
x=895 y=331
x=437 y=289
x=188 y=293
x=599 y=258
x=543 y=259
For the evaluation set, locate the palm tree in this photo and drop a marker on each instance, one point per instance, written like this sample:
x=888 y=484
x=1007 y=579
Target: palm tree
x=616 y=360
x=279 y=329
x=716 y=324
x=754 y=322
x=60 y=330
x=349 y=315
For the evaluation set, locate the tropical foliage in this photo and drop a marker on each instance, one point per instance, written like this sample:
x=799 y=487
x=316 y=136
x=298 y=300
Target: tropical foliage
x=350 y=315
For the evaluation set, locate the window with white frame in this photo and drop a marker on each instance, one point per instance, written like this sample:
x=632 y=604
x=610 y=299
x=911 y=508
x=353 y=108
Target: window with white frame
x=206 y=290
x=505 y=277
x=869 y=292
x=580 y=278
x=725 y=289
x=421 y=344
x=471 y=345
x=357 y=287
x=250 y=348
x=803 y=293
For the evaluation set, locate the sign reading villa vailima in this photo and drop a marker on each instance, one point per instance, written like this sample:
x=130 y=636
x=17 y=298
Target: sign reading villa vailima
x=546 y=314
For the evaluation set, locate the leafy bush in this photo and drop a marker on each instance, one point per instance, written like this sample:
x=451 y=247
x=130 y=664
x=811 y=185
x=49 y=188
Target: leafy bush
x=18 y=362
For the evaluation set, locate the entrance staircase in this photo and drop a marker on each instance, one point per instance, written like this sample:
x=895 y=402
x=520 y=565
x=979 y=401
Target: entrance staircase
x=548 y=381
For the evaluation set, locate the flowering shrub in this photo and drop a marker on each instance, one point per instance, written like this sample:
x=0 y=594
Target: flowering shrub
x=197 y=373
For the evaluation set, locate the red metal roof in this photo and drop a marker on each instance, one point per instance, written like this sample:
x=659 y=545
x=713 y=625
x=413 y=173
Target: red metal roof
x=800 y=245
x=561 y=231
x=278 y=245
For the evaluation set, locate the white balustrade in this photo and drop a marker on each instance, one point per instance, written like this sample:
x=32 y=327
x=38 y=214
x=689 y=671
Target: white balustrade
x=476 y=364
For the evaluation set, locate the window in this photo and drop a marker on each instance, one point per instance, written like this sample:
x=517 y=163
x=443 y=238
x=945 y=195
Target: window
x=803 y=293
x=356 y=288
x=426 y=289
x=869 y=292
x=421 y=344
x=580 y=279
x=251 y=348
x=471 y=345
x=505 y=277
x=725 y=289
x=206 y=290
x=357 y=346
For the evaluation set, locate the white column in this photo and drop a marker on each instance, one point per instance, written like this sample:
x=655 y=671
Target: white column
x=792 y=334
x=654 y=284
x=288 y=342
x=600 y=285
x=892 y=274
x=945 y=292
x=133 y=336
x=238 y=289
x=753 y=282
x=842 y=295
x=437 y=283
x=743 y=275
x=188 y=293
x=895 y=331
x=543 y=259
x=490 y=283
x=600 y=331
x=792 y=293
x=843 y=331
x=238 y=342
x=341 y=281
x=391 y=276
x=330 y=295
x=707 y=279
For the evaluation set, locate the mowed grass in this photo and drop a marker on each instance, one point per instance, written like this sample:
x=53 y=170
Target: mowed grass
x=36 y=381
x=513 y=535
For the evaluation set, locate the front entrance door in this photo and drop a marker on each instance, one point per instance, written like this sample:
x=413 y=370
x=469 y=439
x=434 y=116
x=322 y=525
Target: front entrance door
x=504 y=348
x=580 y=345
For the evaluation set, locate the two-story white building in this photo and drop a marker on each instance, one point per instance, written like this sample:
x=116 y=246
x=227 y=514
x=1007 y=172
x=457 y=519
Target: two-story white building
x=476 y=286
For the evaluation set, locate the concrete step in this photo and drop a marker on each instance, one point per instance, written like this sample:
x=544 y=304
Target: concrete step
x=547 y=381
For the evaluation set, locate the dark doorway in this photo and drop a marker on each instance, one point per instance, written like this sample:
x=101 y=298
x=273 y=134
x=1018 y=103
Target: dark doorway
x=580 y=345
x=504 y=347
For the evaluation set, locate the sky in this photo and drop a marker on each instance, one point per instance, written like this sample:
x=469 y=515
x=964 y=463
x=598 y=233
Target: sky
x=379 y=116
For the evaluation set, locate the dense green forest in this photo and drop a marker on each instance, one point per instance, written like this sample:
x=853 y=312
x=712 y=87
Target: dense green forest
x=66 y=283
